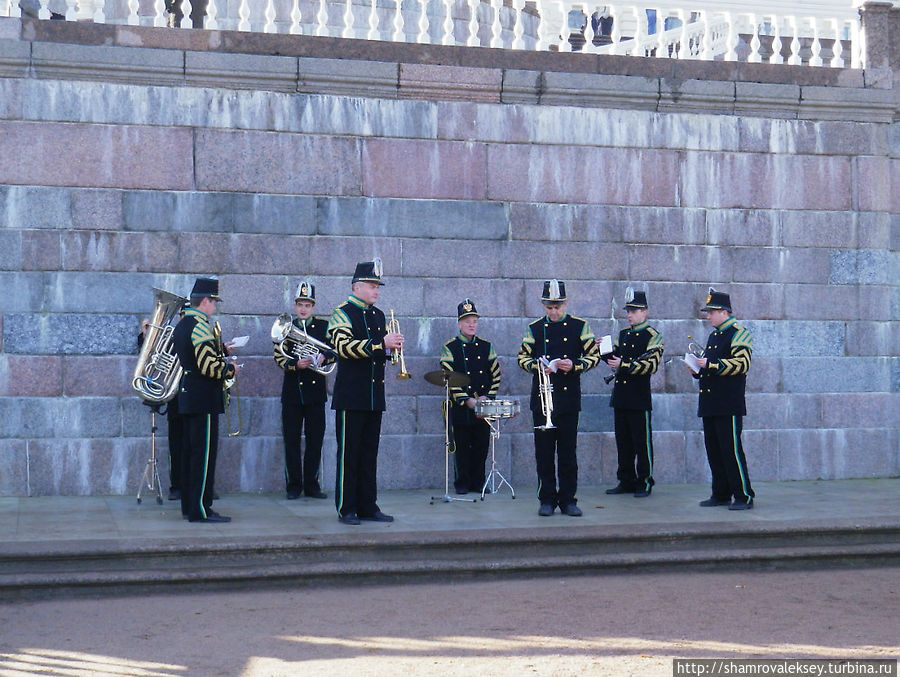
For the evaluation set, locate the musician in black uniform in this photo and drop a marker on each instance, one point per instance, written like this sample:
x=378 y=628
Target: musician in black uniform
x=636 y=356
x=473 y=356
x=303 y=397
x=723 y=380
x=362 y=343
x=568 y=344
x=201 y=398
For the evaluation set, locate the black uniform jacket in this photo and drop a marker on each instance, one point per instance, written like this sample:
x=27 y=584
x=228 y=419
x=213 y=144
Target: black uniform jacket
x=357 y=331
x=203 y=358
x=476 y=359
x=304 y=386
x=569 y=338
x=723 y=382
x=632 y=383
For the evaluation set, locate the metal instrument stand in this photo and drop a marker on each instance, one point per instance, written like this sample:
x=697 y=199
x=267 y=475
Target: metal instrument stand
x=150 y=480
x=447 y=498
x=494 y=423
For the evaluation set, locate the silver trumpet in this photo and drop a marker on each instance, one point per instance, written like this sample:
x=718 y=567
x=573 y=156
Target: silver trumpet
x=695 y=349
x=158 y=371
x=304 y=346
x=545 y=391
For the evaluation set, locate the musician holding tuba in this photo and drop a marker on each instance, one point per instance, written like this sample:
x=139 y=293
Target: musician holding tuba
x=636 y=355
x=362 y=342
x=301 y=351
x=201 y=398
x=557 y=349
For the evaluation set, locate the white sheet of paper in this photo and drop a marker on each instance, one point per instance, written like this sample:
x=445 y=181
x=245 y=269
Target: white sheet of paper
x=551 y=364
x=691 y=360
x=606 y=346
x=239 y=341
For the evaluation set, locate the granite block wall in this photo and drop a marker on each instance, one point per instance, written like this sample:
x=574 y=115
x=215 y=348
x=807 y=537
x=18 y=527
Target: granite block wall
x=194 y=160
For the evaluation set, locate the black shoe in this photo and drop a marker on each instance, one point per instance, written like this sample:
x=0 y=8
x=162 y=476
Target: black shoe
x=462 y=491
x=315 y=493
x=174 y=494
x=571 y=510
x=712 y=502
x=216 y=496
x=742 y=505
x=546 y=510
x=642 y=493
x=293 y=495
x=619 y=489
x=377 y=517
x=349 y=518
x=212 y=517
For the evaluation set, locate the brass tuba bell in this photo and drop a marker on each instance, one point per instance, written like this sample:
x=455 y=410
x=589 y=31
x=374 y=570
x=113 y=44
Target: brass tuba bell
x=158 y=371
x=304 y=346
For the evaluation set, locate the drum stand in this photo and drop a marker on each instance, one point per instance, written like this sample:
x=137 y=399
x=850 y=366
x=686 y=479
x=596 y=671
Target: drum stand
x=150 y=480
x=447 y=498
x=494 y=423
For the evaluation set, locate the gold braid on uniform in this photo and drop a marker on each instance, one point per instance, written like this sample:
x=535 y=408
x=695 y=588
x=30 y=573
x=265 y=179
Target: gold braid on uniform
x=285 y=362
x=495 y=373
x=741 y=349
x=341 y=334
x=648 y=365
x=526 y=358
x=210 y=361
x=590 y=354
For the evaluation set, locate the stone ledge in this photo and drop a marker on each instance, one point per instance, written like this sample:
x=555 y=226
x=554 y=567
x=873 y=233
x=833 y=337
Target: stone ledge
x=14 y=57
x=858 y=105
x=107 y=63
x=348 y=78
x=241 y=71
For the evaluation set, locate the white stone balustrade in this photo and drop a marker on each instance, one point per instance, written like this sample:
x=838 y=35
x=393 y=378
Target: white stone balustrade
x=823 y=33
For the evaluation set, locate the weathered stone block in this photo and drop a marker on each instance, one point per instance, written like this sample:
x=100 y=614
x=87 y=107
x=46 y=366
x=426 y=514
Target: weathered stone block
x=758 y=228
x=678 y=263
x=68 y=334
x=81 y=467
x=520 y=86
x=11 y=107
x=696 y=96
x=859 y=410
x=98 y=376
x=873 y=230
x=22 y=291
x=599 y=90
x=277 y=214
x=759 y=301
x=366 y=117
x=240 y=71
x=761 y=452
x=874 y=183
x=566 y=223
x=27 y=376
x=766 y=100
x=10 y=28
x=581 y=175
x=33 y=207
x=117 y=251
x=846 y=103
x=251 y=465
x=412 y=218
x=776 y=264
x=97 y=209
x=485 y=261
x=13 y=468
x=43 y=417
x=818 y=229
x=564 y=261
x=107 y=63
x=857 y=374
x=348 y=78
x=451 y=83
x=696 y=465
x=676 y=412
x=492 y=297
x=297 y=164
x=14 y=57
x=830 y=453
x=798 y=338
x=873 y=338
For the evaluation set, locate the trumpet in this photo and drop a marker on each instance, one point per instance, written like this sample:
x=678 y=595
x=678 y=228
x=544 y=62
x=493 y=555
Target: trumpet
x=230 y=389
x=695 y=349
x=545 y=390
x=397 y=355
x=305 y=346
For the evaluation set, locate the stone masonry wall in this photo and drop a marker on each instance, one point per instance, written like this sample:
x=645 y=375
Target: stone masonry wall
x=139 y=157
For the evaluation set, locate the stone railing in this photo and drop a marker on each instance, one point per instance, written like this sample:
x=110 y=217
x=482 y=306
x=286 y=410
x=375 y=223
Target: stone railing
x=824 y=33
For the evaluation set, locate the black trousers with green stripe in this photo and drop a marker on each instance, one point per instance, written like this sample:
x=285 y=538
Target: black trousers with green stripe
x=634 y=444
x=355 y=489
x=725 y=453
x=198 y=464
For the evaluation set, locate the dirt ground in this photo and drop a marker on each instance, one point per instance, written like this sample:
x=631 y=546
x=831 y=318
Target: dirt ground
x=599 y=625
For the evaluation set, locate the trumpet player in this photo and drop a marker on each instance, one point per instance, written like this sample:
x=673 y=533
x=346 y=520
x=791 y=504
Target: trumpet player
x=362 y=343
x=201 y=398
x=566 y=344
x=303 y=397
x=723 y=379
x=635 y=358
x=473 y=356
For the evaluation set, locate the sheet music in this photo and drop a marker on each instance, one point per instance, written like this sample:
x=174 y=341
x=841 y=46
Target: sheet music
x=691 y=360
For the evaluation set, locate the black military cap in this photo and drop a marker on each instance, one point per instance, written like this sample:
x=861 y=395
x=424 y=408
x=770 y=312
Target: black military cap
x=554 y=291
x=207 y=287
x=306 y=291
x=368 y=271
x=717 y=300
x=635 y=300
x=465 y=309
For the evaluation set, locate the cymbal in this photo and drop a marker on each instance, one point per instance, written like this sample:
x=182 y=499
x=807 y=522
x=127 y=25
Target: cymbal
x=453 y=378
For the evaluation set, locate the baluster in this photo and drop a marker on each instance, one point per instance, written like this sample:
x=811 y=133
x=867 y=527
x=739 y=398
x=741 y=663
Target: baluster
x=347 y=32
x=133 y=12
x=856 y=46
x=322 y=19
x=373 y=21
x=422 y=38
x=269 y=14
x=187 y=8
x=731 y=38
x=519 y=27
x=662 y=48
x=684 y=40
x=838 y=49
x=211 y=22
x=296 y=19
x=706 y=53
x=794 y=59
x=641 y=31
x=615 y=36
x=12 y=9
x=754 y=56
x=71 y=10
x=816 y=47
x=448 y=38
x=244 y=15
x=496 y=28
x=564 y=45
x=398 y=22
x=776 y=41
x=588 y=30
x=543 y=30
x=159 y=13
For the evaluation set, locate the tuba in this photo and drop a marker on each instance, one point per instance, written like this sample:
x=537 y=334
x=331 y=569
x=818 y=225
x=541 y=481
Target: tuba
x=305 y=346
x=158 y=371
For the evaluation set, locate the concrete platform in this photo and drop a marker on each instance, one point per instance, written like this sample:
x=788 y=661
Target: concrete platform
x=112 y=544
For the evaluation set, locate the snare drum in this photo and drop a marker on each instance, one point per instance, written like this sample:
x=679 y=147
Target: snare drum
x=497 y=408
